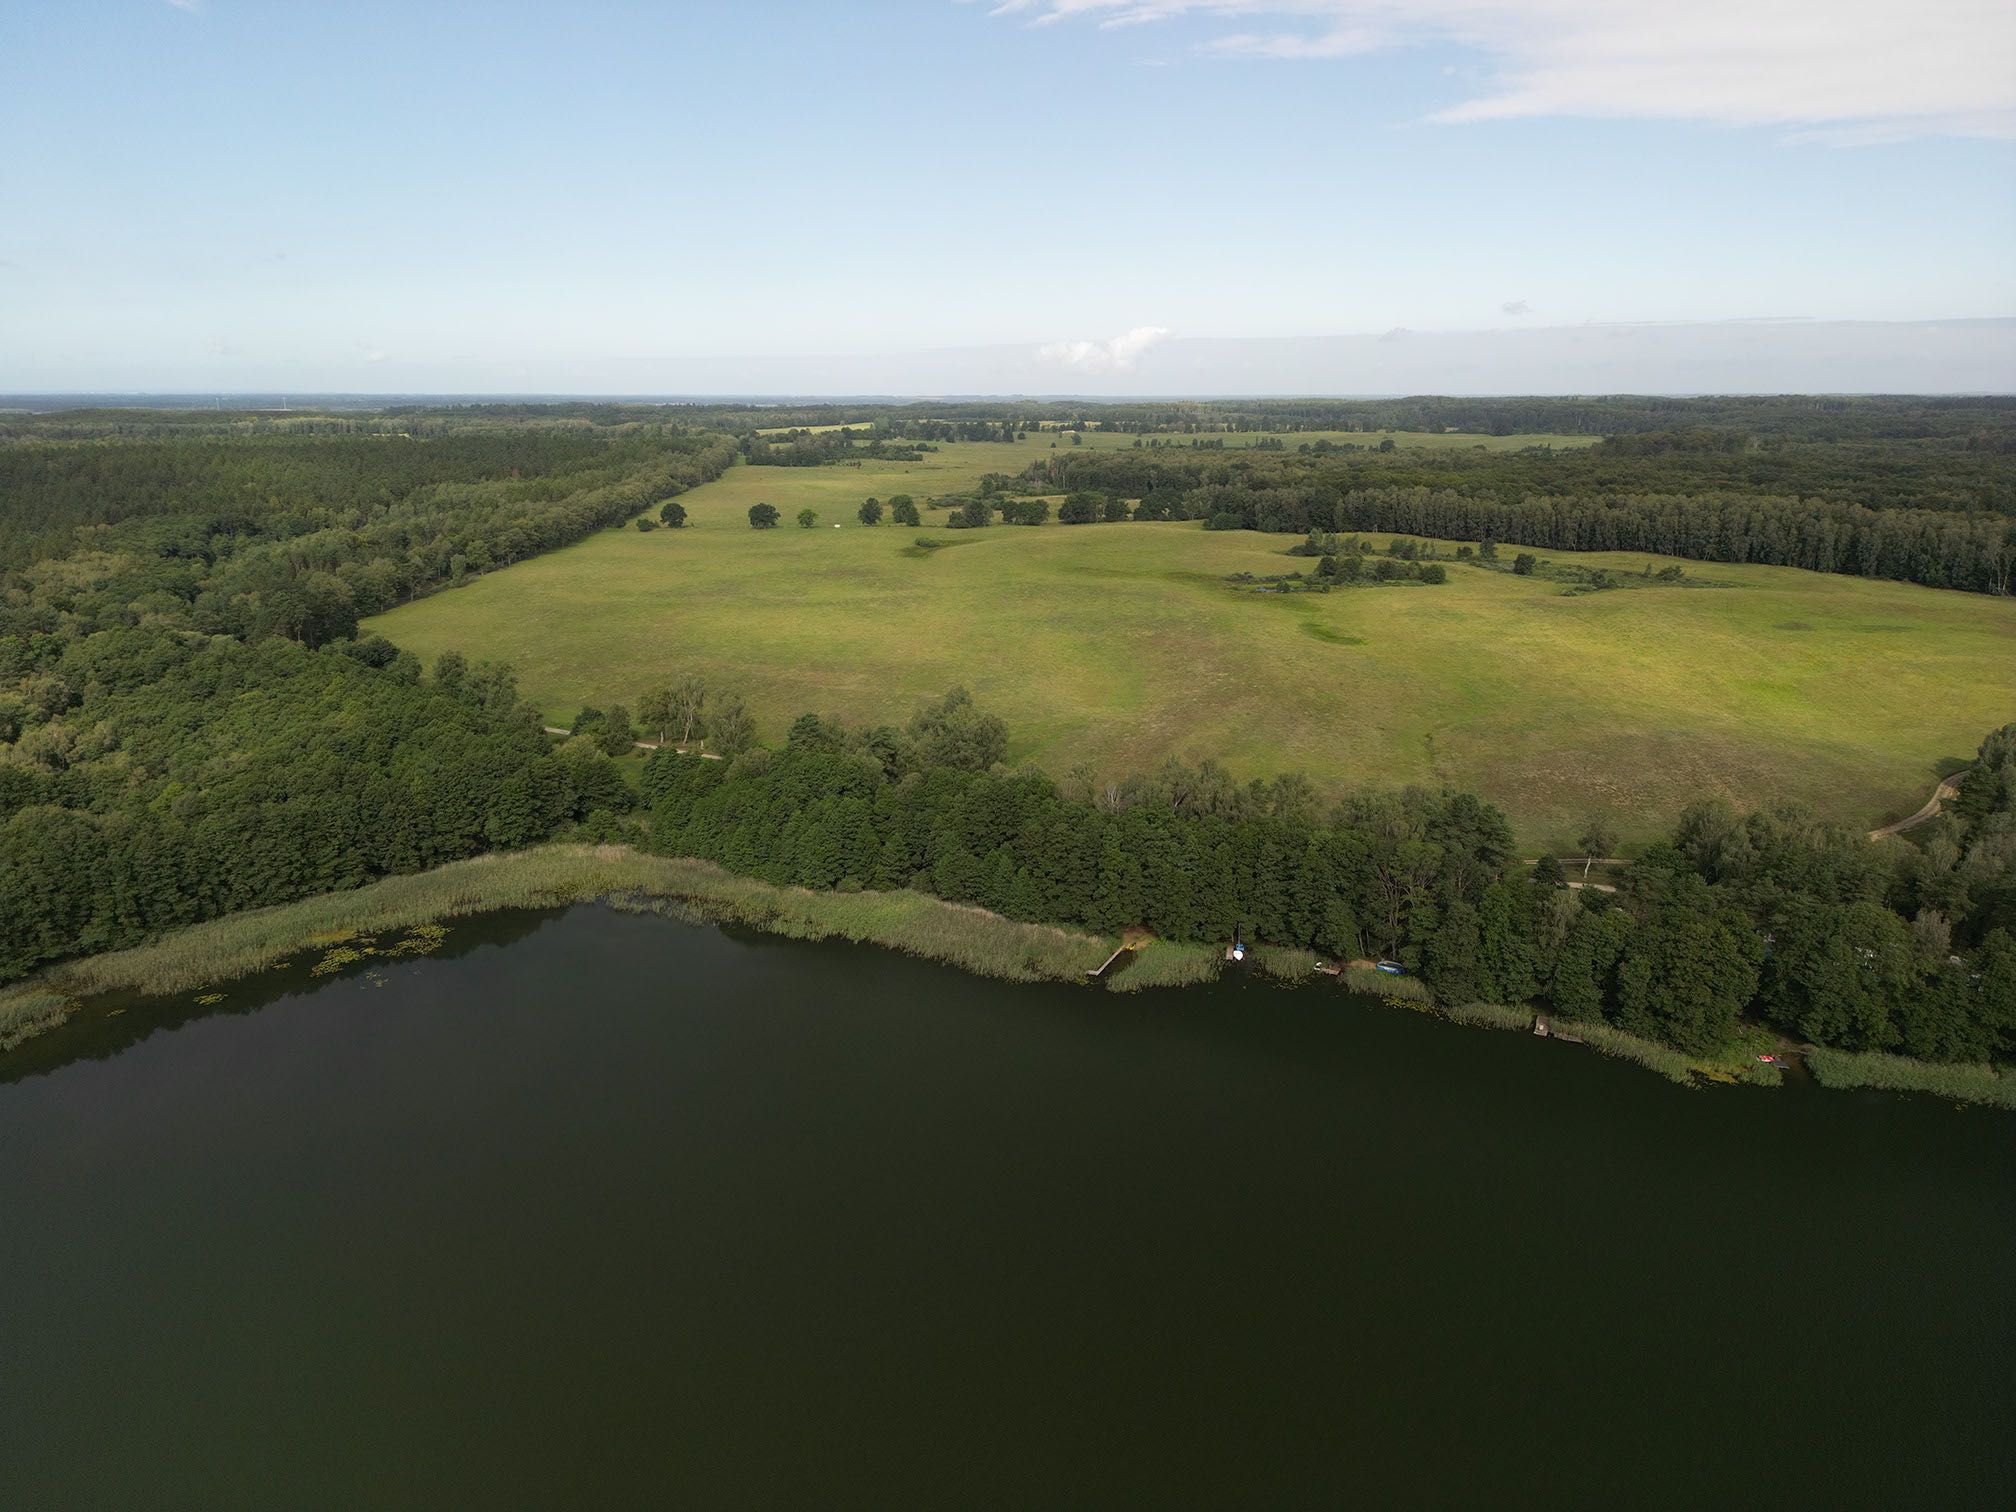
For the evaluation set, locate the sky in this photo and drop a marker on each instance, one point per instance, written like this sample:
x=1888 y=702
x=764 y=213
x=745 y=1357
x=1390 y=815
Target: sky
x=919 y=196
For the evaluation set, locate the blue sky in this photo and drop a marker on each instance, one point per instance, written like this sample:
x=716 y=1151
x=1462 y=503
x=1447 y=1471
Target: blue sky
x=246 y=193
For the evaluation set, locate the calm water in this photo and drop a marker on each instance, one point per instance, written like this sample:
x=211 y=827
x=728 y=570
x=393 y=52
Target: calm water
x=611 y=1209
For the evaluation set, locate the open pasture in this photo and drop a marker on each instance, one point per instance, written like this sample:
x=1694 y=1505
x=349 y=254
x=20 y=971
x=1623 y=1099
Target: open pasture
x=1117 y=645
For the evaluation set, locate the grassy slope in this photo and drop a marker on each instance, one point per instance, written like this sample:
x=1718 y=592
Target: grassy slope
x=1119 y=644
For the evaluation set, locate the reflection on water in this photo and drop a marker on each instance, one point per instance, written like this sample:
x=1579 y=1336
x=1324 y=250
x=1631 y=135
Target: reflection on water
x=113 y=1021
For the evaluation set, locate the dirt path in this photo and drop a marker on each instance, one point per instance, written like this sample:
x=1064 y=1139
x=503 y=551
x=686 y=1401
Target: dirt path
x=642 y=745
x=1948 y=789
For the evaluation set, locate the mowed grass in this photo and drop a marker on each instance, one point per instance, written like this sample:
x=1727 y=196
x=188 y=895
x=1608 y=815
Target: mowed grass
x=1117 y=645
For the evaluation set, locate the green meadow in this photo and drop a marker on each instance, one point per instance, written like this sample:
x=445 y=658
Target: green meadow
x=1114 y=646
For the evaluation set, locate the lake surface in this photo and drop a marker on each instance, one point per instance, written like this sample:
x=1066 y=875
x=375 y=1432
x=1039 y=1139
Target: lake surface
x=597 y=1208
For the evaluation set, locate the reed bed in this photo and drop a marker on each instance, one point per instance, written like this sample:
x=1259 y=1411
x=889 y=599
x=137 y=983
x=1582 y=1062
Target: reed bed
x=1285 y=962
x=1383 y=984
x=1488 y=1015
x=552 y=876
x=1606 y=1040
x=1898 y=1073
x=1165 y=963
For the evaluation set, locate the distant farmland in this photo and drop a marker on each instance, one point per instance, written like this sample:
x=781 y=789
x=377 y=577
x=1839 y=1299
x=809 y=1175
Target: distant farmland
x=1117 y=645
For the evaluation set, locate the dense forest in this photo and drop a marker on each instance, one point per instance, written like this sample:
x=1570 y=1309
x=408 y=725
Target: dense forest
x=1974 y=551
x=1806 y=926
x=189 y=725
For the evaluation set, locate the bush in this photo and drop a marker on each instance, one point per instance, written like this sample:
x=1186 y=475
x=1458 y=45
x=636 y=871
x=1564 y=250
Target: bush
x=646 y=523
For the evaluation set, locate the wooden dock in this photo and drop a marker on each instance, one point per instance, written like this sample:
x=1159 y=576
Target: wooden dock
x=1106 y=965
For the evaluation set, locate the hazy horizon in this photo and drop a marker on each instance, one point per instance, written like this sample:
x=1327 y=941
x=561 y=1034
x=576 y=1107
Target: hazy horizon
x=1086 y=196
x=1751 y=357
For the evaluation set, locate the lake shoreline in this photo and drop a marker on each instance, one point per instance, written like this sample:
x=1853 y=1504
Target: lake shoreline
x=972 y=939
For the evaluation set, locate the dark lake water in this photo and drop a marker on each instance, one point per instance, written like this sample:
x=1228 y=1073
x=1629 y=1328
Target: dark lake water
x=607 y=1209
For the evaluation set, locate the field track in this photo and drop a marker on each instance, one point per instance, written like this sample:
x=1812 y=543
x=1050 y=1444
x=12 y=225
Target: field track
x=1948 y=788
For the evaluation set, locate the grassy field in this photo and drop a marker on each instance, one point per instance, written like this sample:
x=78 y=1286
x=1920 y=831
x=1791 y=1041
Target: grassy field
x=1116 y=645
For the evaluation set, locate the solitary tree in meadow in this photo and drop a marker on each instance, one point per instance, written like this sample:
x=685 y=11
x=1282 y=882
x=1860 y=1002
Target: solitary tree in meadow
x=672 y=513
x=902 y=510
x=870 y=512
x=807 y=518
x=762 y=516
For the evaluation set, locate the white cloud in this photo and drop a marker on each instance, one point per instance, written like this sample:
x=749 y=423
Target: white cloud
x=1516 y=307
x=1115 y=356
x=1838 y=71
x=192 y=6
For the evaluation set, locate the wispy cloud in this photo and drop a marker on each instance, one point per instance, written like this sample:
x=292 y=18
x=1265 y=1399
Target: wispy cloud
x=1843 y=72
x=1115 y=356
x=194 y=7
x=1516 y=307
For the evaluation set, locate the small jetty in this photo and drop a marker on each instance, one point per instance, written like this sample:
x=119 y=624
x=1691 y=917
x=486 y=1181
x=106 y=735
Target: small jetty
x=1106 y=965
x=1132 y=939
x=1546 y=1030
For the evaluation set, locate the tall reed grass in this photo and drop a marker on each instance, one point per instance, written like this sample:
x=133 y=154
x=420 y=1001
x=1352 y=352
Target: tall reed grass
x=544 y=877
x=1897 y=1073
x=1384 y=984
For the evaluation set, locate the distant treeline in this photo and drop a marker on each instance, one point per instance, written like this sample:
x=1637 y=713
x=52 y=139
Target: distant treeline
x=1975 y=552
x=1984 y=421
x=302 y=536
x=821 y=449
